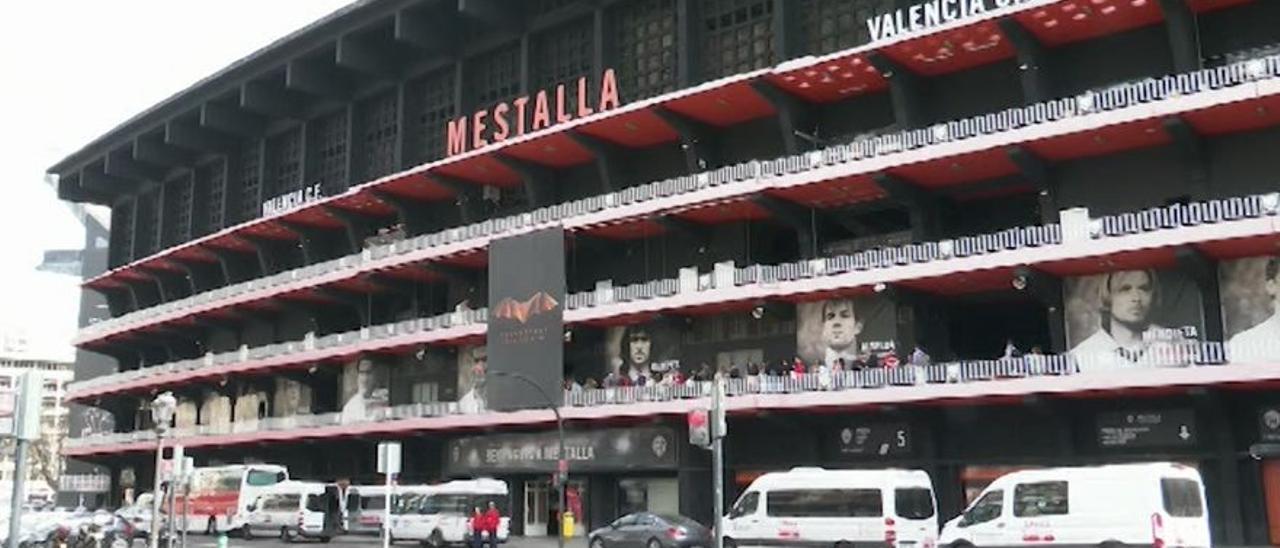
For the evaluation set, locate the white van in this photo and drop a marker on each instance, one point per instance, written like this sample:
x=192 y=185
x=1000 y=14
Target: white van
x=1155 y=504
x=440 y=515
x=836 y=508
x=294 y=509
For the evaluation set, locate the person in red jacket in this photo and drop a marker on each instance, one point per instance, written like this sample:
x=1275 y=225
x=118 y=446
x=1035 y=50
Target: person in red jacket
x=492 y=519
x=479 y=524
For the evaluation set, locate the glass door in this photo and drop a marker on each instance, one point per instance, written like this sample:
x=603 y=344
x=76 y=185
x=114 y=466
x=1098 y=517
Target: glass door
x=536 y=510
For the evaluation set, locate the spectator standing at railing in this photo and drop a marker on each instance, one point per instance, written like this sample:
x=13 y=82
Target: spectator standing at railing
x=1261 y=343
x=613 y=379
x=753 y=378
x=798 y=368
x=591 y=384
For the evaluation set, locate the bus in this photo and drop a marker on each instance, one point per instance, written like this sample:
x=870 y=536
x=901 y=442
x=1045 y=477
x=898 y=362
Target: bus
x=220 y=495
x=439 y=515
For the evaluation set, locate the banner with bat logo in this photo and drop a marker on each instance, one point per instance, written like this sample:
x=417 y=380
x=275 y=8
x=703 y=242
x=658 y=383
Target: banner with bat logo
x=526 y=321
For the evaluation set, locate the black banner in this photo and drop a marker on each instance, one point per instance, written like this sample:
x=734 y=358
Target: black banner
x=1168 y=428
x=647 y=448
x=872 y=440
x=526 y=320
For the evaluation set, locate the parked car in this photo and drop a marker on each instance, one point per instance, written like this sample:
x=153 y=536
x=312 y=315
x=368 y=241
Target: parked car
x=647 y=530
x=1153 y=504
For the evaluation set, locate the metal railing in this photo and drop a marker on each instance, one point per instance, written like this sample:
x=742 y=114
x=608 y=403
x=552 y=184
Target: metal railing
x=756 y=173
x=1182 y=355
x=1009 y=240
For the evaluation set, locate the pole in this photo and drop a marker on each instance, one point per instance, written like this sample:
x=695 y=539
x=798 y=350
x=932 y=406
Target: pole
x=26 y=428
x=19 y=485
x=386 y=513
x=562 y=473
x=157 y=496
x=186 y=501
x=717 y=459
x=562 y=468
x=173 y=501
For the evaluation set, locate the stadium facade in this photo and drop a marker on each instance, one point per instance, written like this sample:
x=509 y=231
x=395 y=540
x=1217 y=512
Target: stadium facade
x=998 y=235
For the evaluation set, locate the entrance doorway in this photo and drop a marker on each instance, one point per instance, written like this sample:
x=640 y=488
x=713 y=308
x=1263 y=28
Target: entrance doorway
x=542 y=508
x=536 y=511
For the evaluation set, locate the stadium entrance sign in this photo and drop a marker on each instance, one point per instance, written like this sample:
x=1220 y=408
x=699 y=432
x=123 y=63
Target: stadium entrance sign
x=930 y=14
x=525 y=114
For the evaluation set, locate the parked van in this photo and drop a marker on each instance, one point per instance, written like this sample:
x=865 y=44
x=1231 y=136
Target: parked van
x=439 y=515
x=296 y=509
x=836 y=508
x=1155 y=504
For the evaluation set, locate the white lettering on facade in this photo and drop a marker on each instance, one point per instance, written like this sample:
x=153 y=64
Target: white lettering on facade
x=928 y=15
x=290 y=200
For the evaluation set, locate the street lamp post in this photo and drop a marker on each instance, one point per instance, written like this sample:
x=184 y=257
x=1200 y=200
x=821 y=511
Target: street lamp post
x=562 y=466
x=162 y=409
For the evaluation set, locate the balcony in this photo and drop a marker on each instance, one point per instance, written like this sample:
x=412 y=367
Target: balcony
x=1231 y=98
x=1229 y=228
x=1190 y=364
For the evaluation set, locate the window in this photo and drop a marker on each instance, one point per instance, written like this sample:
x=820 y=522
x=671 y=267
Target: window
x=379 y=120
x=832 y=25
x=913 y=503
x=330 y=152
x=250 y=180
x=985 y=509
x=738 y=36
x=561 y=56
x=746 y=505
x=825 y=503
x=1046 y=498
x=1181 y=497
x=644 y=41
x=211 y=179
x=260 y=478
x=428 y=108
x=284 y=163
x=373 y=503
x=426 y=392
x=317 y=503
x=283 y=503
x=445 y=504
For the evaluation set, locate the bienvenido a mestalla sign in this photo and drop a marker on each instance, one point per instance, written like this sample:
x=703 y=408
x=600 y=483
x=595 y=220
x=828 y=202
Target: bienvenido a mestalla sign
x=526 y=114
x=291 y=200
x=927 y=15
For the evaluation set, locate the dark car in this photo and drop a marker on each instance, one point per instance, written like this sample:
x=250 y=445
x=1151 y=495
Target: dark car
x=646 y=530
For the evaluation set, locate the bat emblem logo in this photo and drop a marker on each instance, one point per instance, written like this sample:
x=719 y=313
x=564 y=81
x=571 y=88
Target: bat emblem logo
x=522 y=311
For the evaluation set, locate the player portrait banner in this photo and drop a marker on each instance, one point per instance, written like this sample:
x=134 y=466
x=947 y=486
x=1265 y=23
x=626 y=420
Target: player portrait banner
x=1250 y=291
x=650 y=350
x=856 y=329
x=526 y=320
x=1133 y=318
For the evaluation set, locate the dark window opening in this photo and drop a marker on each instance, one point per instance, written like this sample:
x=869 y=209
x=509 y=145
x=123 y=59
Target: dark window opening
x=825 y=503
x=738 y=36
x=644 y=34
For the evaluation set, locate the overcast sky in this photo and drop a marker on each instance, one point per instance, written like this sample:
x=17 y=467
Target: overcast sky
x=74 y=69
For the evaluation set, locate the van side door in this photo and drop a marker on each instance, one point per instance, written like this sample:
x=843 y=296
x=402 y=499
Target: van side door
x=984 y=523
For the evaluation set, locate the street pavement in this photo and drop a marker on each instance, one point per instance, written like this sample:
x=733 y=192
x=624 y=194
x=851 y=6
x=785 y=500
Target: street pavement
x=358 y=541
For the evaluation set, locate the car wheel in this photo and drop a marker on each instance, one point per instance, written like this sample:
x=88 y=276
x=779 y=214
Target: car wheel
x=326 y=539
x=730 y=543
x=844 y=544
x=437 y=539
x=286 y=535
x=246 y=532
x=961 y=544
x=597 y=543
x=653 y=543
x=211 y=528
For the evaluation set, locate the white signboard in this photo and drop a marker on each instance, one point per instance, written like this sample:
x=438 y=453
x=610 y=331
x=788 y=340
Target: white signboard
x=389 y=457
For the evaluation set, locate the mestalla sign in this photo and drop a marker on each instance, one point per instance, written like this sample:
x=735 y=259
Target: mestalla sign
x=529 y=113
x=930 y=14
x=643 y=448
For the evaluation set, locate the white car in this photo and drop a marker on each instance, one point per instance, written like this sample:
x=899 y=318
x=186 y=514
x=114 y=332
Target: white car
x=1156 y=504
x=817 y=507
